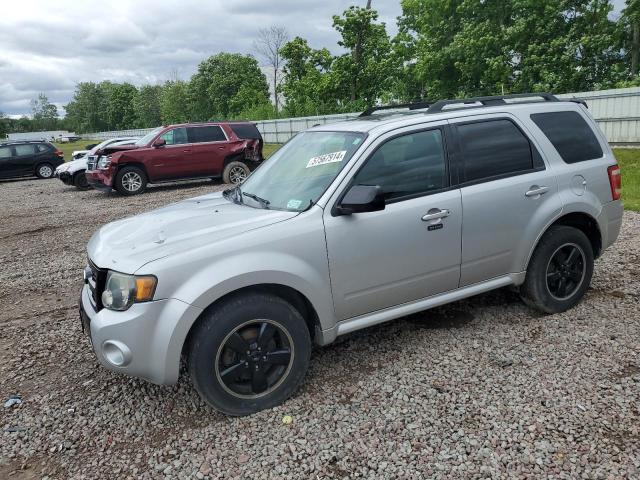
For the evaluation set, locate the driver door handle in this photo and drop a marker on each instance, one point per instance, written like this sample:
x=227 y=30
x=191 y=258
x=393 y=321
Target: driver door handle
x=435 y=214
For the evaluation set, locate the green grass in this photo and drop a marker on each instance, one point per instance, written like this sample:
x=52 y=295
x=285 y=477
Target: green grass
x=269 y=149
x=68 y=148
x=629 y=161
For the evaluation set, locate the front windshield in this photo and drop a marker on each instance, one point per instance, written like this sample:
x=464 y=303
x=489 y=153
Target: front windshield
x=298 y=174
x=144 y=141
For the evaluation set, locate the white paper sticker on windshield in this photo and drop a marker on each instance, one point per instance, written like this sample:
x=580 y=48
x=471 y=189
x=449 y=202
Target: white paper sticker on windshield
x=327 y=158
x=294 y=203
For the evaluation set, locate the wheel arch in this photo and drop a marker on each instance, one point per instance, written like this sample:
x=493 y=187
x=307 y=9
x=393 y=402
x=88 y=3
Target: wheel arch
x=287 y=293
x=582 y=221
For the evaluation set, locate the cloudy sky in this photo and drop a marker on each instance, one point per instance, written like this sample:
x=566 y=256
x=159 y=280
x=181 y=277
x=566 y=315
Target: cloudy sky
x=48 y=46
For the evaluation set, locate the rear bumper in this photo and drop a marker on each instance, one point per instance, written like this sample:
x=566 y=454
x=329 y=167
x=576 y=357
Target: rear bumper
x=144 y=341
x=100 y=180
x=610 y=222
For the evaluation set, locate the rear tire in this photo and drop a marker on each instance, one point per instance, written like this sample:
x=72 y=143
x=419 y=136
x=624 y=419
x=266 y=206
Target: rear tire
x=559 y=271
x=235 y=173
x=44 y=170
x=130 y=181
x=80 y=181
x=249 y=353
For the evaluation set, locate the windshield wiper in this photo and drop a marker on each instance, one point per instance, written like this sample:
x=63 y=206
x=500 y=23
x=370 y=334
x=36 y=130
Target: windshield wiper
x=253 y=196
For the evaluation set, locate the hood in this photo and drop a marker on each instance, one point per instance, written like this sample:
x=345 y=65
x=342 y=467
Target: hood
x=73 y=165
x=126 y=245
x=108 y=150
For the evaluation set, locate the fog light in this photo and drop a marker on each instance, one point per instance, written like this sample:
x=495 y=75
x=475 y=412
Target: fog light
x=116 y=353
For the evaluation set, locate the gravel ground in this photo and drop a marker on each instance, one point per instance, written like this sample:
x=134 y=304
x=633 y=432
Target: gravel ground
x=482 y=388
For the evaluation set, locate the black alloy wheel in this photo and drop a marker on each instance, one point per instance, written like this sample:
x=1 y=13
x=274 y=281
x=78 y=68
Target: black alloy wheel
x=254 y=358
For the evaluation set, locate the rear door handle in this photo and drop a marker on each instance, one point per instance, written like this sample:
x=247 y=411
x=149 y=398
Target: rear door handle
x=535 y=191
x=435 y=214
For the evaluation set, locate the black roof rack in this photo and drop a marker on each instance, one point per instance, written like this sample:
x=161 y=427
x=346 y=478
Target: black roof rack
x=489 y=101
x=411 y=106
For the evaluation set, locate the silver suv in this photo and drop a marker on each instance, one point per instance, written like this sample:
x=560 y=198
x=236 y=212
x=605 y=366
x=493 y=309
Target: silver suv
x=350 y=225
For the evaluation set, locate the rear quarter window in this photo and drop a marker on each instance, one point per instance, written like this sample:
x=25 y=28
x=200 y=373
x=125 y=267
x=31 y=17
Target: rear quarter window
x=246 y=131
x=570 y=134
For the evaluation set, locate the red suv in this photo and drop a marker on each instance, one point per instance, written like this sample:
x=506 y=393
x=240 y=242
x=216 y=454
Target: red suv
x=179 y=152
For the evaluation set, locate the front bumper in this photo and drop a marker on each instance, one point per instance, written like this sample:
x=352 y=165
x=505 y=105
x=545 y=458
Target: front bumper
x=144 y=341
x=100 y=180
x=65 y=177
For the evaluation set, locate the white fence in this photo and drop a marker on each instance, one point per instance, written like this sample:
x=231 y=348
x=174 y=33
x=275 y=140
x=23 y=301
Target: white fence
x=616 y=111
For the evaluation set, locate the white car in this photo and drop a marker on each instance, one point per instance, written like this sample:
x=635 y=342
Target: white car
x=72 y=173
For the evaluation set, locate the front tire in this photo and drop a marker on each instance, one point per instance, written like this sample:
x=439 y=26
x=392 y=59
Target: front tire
x=130 y=181
x=559 y=271
x=80 y=181
x=44 y=170
x=249 y=353
x=235 y=173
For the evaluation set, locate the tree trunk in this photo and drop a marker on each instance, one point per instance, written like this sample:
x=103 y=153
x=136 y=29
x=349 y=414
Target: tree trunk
x=275 y=88
x=635 y=48
x=356 y=59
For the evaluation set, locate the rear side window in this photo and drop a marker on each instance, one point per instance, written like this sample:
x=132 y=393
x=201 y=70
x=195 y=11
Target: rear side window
x=27 y=149
x=206 y=134
x=570 y=135
x=5 y=152
x=246 y=131
x=495 y=148
x=408 y=165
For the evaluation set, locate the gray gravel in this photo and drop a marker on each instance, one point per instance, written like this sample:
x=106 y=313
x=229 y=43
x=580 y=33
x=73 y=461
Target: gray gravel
x=482 y=388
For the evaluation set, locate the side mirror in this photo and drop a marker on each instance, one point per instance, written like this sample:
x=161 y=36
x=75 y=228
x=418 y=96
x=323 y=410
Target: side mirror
x=360 y=199
x=160 y=142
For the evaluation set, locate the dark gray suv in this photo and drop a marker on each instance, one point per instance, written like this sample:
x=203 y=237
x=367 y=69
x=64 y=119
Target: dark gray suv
x=22 y=159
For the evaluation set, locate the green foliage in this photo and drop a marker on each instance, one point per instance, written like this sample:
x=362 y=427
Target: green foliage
x=225 y=84
x=361 y=75
x=629 y=161
x=174 y=102
x=475 y=47
x=146 y=106
x=307 y=85
x=120 y=109
x=45 y=114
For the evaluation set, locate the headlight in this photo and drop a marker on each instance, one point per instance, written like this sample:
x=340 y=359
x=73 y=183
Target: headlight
x=121 y=291
x=104 y=162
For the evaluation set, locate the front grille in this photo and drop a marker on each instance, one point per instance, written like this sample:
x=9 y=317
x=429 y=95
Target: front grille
x=92 y=161
x=96 y=279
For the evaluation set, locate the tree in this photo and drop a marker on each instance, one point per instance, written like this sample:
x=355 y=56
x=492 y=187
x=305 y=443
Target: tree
x=86 y=112
x=268 y=44
x=469 y=47
x=45 y=114
x=147 y=106
x=120 y=111
x=307 y=85
x=630 y=25
x=365 y=72
x=174 y=102
x=222 y=77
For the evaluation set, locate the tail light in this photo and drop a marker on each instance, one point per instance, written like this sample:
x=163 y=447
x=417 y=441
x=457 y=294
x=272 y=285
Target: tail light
x=59 y=153
x=615 y=180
